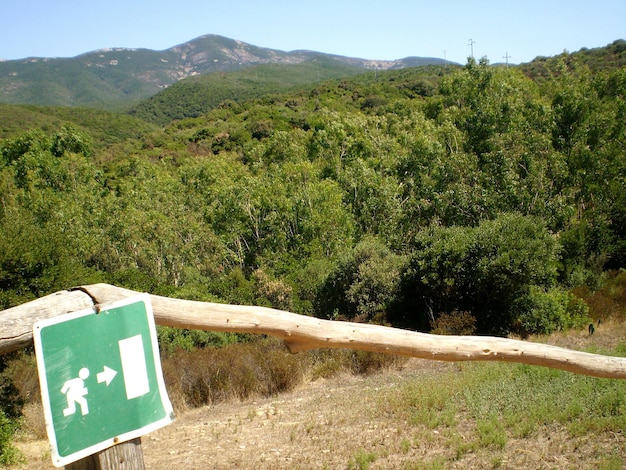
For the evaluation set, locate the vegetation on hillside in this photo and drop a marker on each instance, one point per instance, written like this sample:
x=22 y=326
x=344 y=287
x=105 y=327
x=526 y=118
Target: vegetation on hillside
x=197 y=95
x=610 y=57
x=471 y=199
x=104 y=128
x=389 y=197
x=117 y=79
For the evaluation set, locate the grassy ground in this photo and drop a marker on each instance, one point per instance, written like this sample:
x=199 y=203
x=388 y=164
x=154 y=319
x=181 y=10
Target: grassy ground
x=412 y=414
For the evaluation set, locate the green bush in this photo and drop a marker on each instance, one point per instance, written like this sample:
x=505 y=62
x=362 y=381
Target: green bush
x=483 y=270
x=363 y=284
x=10 y=415
x=172 y=339
x=546 y=311
x=9 y=454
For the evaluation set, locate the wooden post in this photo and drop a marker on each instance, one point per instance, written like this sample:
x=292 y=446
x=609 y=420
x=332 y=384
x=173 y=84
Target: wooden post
x=124 y=456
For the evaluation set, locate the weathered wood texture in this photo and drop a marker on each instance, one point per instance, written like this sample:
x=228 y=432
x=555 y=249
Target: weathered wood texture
x=302 y=333
x=16 y=324
x=125 y=456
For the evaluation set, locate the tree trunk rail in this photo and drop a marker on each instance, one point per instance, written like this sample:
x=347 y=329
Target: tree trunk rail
x=302 y=333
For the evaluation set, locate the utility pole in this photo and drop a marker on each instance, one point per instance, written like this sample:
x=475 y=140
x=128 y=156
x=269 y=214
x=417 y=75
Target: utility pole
x=471 y=45
x=445 y=59
x=507 y=57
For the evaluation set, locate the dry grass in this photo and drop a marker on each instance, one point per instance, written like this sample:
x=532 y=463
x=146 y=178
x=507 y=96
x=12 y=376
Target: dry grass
x=416 y=418
x=260 y=368
x=255 y=405
x=238 y=371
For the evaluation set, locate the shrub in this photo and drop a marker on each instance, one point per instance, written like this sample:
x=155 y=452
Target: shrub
x=275 y=291
x=172 y=339
x=11 y=404
x=324 y=363
x=609 y=299
x=363 y=284
x=9 y=454
x=455 y=323
x=365 y=362
x=235 y=371
x=544 y=312
x=483 y=270
x=261 y=367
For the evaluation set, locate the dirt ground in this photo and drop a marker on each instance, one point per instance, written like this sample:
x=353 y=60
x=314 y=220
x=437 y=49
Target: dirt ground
x=337 y=424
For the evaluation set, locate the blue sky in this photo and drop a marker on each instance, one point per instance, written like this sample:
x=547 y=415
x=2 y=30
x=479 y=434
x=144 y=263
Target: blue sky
x=390 y=29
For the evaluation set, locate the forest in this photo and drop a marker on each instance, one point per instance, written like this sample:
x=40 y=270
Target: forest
x=476 y=199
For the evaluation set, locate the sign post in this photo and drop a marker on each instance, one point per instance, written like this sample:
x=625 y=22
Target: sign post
x=101 y=379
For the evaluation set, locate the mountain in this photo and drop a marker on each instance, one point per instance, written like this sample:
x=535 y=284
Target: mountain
x=118 y=78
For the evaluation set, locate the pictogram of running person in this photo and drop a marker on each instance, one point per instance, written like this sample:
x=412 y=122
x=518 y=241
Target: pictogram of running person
x=75 y=391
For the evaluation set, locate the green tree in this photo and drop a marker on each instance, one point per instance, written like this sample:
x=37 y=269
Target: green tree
x=546 y=311
x=482 y=270
x=42 y=214
x=69 y=139
x=363 y=284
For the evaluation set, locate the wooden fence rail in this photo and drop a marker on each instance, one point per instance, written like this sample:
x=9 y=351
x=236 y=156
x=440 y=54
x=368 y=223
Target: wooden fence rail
x=302 y=333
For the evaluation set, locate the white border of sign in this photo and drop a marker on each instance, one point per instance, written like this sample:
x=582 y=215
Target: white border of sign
x=59 y=461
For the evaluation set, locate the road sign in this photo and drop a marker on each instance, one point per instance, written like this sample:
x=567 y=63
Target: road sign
x=101 y=379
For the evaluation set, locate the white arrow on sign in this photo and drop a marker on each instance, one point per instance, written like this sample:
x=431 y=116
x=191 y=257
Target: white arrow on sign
x=106 y=375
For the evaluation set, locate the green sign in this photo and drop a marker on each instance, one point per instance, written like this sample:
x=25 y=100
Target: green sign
x=101 y=379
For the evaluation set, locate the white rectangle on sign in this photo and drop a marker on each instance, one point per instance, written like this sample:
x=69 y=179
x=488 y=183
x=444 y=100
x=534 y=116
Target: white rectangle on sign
x=134 y=367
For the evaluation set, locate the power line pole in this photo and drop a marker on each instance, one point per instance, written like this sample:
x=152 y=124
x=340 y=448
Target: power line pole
x=471 y=45
x=507 y=57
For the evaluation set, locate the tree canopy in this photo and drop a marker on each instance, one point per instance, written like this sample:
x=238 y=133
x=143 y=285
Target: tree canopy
x=392 y=197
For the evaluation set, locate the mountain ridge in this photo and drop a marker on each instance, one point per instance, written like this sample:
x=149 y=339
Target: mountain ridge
x=116 y=78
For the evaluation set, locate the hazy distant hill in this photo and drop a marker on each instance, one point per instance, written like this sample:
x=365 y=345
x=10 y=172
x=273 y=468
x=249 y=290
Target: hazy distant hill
x=118 y=78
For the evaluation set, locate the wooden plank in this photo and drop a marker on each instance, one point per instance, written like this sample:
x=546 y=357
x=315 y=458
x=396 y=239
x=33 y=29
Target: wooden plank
x=302 y=333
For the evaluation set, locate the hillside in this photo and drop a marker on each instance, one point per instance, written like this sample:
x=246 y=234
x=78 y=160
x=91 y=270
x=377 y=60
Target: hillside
x=340 y=199
x=104 y=127
x=195 y=96
x=117 y=78
x=610 y=57
x=454 y=200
